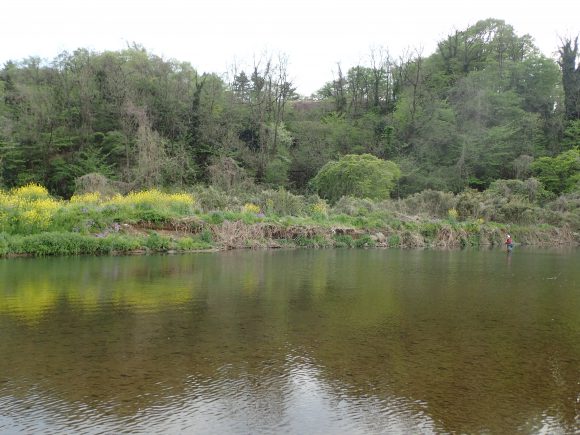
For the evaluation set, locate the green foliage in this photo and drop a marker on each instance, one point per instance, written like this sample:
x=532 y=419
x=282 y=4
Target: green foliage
x=216 y=218
x=206 y=236
x=362 y=176
x=572 y=135
x=354 y=206
x=530 y=189
x=559 y=174
x=365 y=241
x=281 y=202
x=394 y=240
x=315 y=241
x=192 y=244
x=156 y=242
x=471 y=114
x=431 y=202
x=343 y=241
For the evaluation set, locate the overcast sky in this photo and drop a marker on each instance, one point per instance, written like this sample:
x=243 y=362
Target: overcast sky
x=313 y=34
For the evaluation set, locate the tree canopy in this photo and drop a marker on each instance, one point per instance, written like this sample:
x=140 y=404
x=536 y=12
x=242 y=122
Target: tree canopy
x=486 y=105
x=362 y=176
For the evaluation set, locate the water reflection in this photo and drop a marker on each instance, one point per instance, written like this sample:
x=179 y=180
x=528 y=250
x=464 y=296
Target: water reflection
x=296 y=341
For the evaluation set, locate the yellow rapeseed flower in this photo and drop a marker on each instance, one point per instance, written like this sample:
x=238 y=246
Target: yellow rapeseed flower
x=87 y=198
x=250 y=208
x=320 y=208
x=30 y=191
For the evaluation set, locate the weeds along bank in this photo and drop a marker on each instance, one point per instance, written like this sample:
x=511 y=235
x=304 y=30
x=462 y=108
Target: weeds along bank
x=34 y=223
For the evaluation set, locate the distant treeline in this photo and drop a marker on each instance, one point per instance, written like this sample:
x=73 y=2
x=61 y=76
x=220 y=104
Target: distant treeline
x=487 y=105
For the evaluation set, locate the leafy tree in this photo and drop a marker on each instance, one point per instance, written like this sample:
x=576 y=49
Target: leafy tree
x=559 y=174
x=363 y=176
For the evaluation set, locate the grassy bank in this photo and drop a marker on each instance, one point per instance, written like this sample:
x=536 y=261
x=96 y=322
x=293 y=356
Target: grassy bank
x=34 y=223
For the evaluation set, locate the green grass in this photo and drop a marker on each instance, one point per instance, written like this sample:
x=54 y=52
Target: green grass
x=59 y=243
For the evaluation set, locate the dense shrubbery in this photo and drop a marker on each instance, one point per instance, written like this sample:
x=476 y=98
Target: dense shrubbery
x=32 y=222
x=30 y=209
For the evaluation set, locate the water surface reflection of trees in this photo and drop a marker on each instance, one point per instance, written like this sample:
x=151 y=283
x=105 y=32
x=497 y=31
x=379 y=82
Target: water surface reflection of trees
x=434 y=332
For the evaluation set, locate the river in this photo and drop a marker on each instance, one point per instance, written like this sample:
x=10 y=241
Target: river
x=292 y=341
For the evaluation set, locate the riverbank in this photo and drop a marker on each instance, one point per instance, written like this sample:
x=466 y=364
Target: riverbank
x=192 y=234
x=32 y=223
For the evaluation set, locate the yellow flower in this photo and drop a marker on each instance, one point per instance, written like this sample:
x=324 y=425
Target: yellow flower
x=30 y=191
x=153 y=198
x=320 y=208
x=87 y=198
x=250 y=208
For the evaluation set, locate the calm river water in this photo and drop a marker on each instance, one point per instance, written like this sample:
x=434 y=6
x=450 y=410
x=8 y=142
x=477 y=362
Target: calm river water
x=299 y=341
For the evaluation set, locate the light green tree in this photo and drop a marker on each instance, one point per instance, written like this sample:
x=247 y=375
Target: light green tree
x=363 y=176
x=559 y=174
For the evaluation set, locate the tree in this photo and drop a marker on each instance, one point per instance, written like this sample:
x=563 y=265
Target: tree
x=363 y=176
x=570 y=78
x=559 y=174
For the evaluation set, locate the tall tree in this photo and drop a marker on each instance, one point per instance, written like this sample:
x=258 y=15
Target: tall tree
x=570 y=78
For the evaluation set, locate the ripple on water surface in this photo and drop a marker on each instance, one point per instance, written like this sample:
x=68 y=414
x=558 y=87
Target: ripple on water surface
x=365 y=341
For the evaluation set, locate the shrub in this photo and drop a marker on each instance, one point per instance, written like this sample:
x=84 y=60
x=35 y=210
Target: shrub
x=469 y=204
x=362 y=176
x=343 y=241
x=352 y=206
x=31 y=192
x=530 y=189
x=281 y=202
x=430 y=202
x=319 y=209
x=216 y=218
x=212 y=198
x=452 y=214
x=4 y=248
x=365 y=241
x=155 y=242
x=250 y=208
x=206 y=236
x=394 y=240
x=313 y=241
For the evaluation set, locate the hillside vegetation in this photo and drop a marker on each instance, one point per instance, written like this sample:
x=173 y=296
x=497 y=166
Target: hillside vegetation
x=483 y=132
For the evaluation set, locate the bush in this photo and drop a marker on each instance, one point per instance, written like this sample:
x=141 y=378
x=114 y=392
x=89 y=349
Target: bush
x=361 y=176
x=352 y=206
x=212 y=198
x=216 y=218
x=394 y=240
x=155 y=242
x=365 y=241
x=429 y=202
x=468 y=204
x=343 y=241
x=4 y=247
x=531 y=189
x=206 y=236
x=281 y=203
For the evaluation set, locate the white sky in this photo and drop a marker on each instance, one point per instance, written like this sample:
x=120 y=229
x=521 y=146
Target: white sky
x=313 y=34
